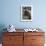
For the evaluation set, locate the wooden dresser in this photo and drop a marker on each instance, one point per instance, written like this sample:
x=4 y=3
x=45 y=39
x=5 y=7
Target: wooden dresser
x=23 y=39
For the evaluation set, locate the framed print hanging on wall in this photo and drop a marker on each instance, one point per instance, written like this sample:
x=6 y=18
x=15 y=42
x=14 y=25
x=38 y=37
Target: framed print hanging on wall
x=26 y=13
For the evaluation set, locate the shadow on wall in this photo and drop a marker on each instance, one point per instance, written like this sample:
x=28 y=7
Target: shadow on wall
x=2 y=27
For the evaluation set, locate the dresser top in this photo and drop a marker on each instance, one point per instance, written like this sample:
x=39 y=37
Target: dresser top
x=22 y=30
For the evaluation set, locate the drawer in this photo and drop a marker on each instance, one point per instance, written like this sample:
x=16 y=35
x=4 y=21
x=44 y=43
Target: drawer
x=12 y=44
x=12 y=39
x=37 y=39
x=9 y=45
x=37 y=44
x=8 y=39
x=13 y=33
x=34 y=33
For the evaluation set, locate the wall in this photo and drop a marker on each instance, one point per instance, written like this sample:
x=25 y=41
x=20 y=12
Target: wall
x=10 y=13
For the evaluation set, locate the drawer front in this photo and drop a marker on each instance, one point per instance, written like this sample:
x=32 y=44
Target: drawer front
x=8 y=45
x=13 y=33
x=34 y=33
x=37 y=39
x=13 y=40
x=37 y=45
x=12 y=44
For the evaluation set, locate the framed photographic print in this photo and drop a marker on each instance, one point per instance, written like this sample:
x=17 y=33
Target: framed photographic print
x=26 y=13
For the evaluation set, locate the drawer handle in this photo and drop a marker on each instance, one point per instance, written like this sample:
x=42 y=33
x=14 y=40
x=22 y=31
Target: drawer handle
x=33 y=39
